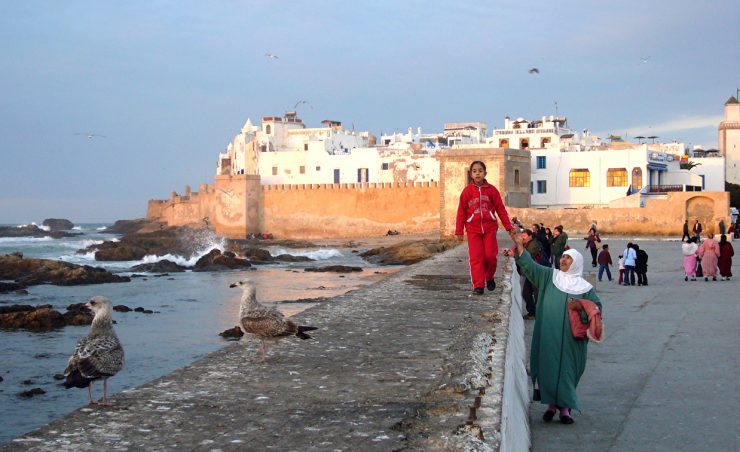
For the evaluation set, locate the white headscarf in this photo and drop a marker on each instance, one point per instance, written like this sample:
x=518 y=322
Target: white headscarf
x=572 y=281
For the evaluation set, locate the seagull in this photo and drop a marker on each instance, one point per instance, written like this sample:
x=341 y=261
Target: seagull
x=263 y=322
x=89 y=135
x=272 y=56
x=99 y=355
x=644 y=59
x=301 y=102
x=534 y=70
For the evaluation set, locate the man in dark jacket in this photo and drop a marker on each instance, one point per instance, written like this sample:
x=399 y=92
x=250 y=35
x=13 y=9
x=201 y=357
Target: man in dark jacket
x=559 y=241
x=685 y=231
x=641 y=266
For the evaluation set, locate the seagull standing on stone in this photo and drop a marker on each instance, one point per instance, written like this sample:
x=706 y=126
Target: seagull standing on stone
x=99 y=355
x=265 y=323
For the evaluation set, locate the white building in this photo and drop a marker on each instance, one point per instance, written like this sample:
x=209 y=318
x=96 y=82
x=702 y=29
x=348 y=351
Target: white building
x=729 y=140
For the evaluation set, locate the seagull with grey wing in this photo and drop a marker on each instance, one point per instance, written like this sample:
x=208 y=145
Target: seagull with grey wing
x=267 y=324
x=97 y=356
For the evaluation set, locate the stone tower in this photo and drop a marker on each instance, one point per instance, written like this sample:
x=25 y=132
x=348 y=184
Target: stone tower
x=729 y=140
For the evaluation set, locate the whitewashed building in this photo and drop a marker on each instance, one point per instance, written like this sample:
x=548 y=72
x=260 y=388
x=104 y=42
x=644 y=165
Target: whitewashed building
x=729 y=140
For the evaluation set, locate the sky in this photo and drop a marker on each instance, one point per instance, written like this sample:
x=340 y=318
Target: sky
x=169 y=83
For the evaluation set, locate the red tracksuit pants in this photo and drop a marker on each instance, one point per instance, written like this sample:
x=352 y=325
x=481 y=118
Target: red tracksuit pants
x=483 y=255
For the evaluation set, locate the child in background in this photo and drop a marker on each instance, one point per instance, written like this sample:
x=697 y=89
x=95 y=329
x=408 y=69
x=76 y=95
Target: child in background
x=621 y=269
x=480 y=204
x=605 y=260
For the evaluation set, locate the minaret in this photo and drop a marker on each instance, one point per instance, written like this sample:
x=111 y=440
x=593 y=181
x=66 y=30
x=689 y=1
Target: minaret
x=729 y=140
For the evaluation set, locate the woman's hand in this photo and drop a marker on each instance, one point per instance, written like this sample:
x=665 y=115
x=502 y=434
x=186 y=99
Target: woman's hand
x=574 y=305
x=459 y=237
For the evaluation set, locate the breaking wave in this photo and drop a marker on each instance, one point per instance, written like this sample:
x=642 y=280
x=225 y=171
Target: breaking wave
x=319 y=255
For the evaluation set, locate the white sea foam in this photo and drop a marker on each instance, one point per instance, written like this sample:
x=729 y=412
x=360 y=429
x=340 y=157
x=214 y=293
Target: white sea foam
x=33 y=223
x=319 y=255
x=101 y=228
x=77 y=228
x=25 y=240
x=82 y=244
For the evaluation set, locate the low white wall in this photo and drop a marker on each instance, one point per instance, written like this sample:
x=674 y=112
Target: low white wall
x=515 y=405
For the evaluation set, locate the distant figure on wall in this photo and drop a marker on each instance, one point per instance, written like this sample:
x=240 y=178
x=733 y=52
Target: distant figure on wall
x=480 y=204
x=722 y=228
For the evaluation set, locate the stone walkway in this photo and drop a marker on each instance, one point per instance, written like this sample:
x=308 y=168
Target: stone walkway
x=665 y=377
x=394 y=365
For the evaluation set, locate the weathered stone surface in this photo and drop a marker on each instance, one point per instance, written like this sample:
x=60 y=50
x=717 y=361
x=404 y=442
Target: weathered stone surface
x=215 y=261
x=408 y=252
x=232 y=334
x=58 y=224
x=39 y=271
x=163 y=266
x=334 y=269
x=142 y=225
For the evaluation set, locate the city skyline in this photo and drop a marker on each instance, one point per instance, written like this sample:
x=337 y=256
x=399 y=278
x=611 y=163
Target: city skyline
x=107 y=106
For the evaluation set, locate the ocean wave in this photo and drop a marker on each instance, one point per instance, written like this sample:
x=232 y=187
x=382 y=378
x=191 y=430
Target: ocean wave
x=33 y=223
x=101 y=228
x=319 y=255
x=25 y=239
x=76 y=228
x=82 y=244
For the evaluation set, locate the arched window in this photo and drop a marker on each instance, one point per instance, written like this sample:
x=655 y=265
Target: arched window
x=544 y=142
x=524 y=143
x=616 y=177
x=580 y=177
x=637 y=178
x=503 y=143
x=268 y=129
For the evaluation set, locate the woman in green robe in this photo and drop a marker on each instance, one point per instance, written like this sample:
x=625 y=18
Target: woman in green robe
x=556 y=360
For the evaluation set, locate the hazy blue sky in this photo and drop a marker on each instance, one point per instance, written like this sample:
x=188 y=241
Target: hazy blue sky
x=169 y=83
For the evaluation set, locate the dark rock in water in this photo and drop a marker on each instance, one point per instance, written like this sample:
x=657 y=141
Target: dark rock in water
x=291 y=258
x=40 y=319
x=408 y=252
x=18 y=308
x=78 y=314
x=1 y=379
x=28 y=382
x=139 y=309
x=10 y=287
x=233 y=334
x=33 y=231
x=32 y=392
x=59 y=377
x=148 y=311
x=122 y=308
x=139 y=225
x=21 y=292
x=58 y=224
x=334 y=268
x=215 y=261
x=39 y=271
x=42 y=355
x=163 y=266
x=229 y=254
x=135 y=275
x=160 y=276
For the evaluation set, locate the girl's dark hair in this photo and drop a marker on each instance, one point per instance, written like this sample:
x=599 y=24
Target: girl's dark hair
x=723 y=239
x=481 y=164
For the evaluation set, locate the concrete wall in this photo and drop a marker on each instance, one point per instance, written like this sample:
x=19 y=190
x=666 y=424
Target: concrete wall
x=660 y=216
x=501 y=165
x=349 y=210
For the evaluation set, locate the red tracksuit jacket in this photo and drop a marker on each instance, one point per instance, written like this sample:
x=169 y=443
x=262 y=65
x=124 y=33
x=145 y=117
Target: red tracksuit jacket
x=478 y=209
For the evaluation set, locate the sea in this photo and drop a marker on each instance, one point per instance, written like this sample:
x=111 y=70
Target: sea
x=190 y=309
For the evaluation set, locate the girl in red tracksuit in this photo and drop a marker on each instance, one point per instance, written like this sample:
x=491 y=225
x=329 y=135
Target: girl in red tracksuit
x=480 y=203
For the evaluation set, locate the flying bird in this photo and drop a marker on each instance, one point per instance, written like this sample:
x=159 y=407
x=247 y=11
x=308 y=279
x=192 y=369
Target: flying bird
x=534 y=70
x=90 y=135
x=99 y=355
x=301 y=102
x=267 y=324
x=644 y=59
x=272 y=56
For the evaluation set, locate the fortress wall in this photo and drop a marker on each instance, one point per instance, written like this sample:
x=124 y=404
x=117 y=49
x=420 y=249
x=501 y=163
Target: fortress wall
x=659 y=216
x=349 y=210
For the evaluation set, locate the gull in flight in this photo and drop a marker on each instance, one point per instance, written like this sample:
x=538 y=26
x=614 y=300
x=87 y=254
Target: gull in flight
x=271 y=56
x=301 y=102
x=534 y=70
x=90 y=135
x=644 y=60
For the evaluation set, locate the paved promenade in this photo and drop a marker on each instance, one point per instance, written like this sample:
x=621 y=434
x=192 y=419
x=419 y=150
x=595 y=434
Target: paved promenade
x=394 y=365
x=665 y=378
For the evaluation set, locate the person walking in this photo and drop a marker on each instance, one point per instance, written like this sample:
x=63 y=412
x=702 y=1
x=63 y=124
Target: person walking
x=708 y=252
x=559 y=242
x=685 y=235
x=722 y=227
x=605 y=260
x=688 y=249
x=480 y=205
x=630 y=259
x=557 y=361
x=591 y=242
x=697 y=230
x=641 y=266
x=725 y=258
x=529 y=291
x=621 y=269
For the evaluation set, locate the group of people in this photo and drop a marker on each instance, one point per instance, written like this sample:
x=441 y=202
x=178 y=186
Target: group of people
x=557 y=358
x=705 y=259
